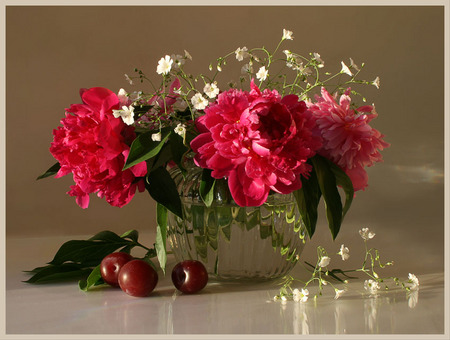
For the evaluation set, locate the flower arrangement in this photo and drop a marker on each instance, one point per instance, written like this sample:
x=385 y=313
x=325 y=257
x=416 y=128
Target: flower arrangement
x=287 y=126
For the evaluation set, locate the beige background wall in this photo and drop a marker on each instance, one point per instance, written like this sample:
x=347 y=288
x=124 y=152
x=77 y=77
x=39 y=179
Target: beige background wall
x=51 y=52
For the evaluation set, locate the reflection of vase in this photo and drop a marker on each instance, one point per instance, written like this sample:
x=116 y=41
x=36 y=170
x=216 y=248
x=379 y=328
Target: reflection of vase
x=235 y=242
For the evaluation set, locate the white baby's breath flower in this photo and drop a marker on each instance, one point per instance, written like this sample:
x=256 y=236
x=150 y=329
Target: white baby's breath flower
x=376 y=82
x=300 y=296
x=324 y=261
x=187 y=55
x=123 y=96
x=344 y=252
x=219 y=68
x=413 y=282
x=180 y=130
x=353 y=65
x=345 y=69
x=211 y=90
x=127 y=114
x=371 y=286
x=164 y=65
x=339 y=293
x=199 y=102
x=128 y=79
x=318 y=59
x=247 y=68
x=287 y=35
x=156 y=137
x=241 y=53
x=178 y=60
x=262 y=74
x=366 y=234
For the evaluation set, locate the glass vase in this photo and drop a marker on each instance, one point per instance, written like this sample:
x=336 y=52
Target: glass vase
x=233 y=242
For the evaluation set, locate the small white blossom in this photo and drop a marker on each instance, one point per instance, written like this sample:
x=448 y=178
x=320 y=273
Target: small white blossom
x=156 y=137
x=180 y=130
x=128 y=79
x=164 y=65
x=187 y=55
x=127 y=114
x=177 y=59
x=300 y=296
x=199 y=102
x=345 y=69
x=353 y=65
x=275 y=298
x=219 y=68
x=371 y=286
x=262 y=74
x=366 y=234
x=241 y=53
x=211 y=90
x=287 y=35
x=413 y=281
x=376 y=82
x=123 y=96
x=247 y=68
x=318 y=59
x=324 y=261
x=344 y=252
x=339 y=293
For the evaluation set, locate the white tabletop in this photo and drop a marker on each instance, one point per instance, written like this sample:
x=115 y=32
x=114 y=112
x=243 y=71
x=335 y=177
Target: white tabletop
x=218 y=309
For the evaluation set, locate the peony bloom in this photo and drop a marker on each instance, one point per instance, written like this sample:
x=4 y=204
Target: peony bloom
x=348 y=139
x=258 y=140
x=93 y=146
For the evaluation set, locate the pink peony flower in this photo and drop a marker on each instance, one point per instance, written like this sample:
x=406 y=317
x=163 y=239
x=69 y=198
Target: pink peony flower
x=348 y=139
x=258 y=140
x=93 y=146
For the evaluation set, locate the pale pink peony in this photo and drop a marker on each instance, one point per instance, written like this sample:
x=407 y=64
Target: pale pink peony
x=258 y=140
x=93 y=146
x=348 y=139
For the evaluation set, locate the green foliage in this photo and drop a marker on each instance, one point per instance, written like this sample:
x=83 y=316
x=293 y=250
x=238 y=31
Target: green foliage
x=51 y=171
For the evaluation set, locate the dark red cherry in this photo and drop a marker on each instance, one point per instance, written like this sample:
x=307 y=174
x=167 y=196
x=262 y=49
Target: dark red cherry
x=189 y=276
x=138 y=278
x=111 y=265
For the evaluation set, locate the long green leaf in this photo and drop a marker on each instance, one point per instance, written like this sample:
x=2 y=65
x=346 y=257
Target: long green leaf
x=51 y=171
x=308 y=198
x=143 y=147
x=178 y=150
x=328 y=187
x=207 y=187
x=54 y=273
x=162 y=188
x=89 y=252
x=94 y=279
x=345 y=182
x=161 y=235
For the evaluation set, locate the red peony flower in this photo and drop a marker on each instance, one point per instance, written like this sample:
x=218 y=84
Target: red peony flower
x=348 y=139
x=259 y=140
x=93 y=146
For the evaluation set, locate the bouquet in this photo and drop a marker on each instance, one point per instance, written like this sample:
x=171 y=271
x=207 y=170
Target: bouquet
x=285 y=126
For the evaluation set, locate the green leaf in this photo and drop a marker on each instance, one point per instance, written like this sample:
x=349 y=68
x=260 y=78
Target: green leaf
x=131 y=234
x=308 y=198
x=162 y=188
x=207 y=187
x=51 y=171
x=345 y=182
x=161 y=233
x=89 y=252
x=143 y=147
x=328 y=187
x=94 y=279
x=161 y=159
x=63 y=272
